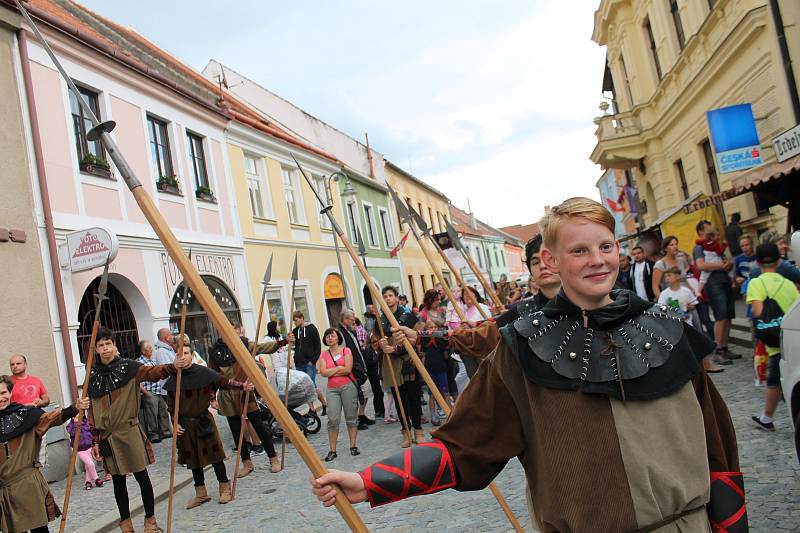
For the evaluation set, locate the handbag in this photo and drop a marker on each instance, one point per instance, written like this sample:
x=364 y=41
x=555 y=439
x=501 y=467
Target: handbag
x=768 y=325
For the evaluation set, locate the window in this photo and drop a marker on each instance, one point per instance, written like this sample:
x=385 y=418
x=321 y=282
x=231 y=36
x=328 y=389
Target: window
x=351 y=215
x=386 y=226
x=676 y=20
x=257 y=187
x=81 y=125
x=293 y=195
x=301 y=302
x=627 y=81
x=682 y=177
x=319 y=186
x=711 y=170
x=275 y=309
x=197 y=160
x=159 y=148
x=503 y=258
x=411 y=288
x=433 y=281
x=431 y=219
x=369 y=218
x=649 y=29
x=480 y=259
x=424 y=284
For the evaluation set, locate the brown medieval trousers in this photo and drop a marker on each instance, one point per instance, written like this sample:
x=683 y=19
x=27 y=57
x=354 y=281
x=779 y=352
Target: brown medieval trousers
x=25 y=499
x=200 y=444
x=611 y=415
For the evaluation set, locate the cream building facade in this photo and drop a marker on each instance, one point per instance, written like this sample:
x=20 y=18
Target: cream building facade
x=668 y=63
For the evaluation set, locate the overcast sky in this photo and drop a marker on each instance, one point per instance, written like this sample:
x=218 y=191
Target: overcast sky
x=491 y=101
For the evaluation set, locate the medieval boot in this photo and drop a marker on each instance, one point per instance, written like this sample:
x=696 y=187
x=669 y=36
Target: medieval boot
x=225 y=492
x=419 y=436
x=406 y=439
x=126 y=526
x=200 y=497
x=151 y=526
x=275 y=464
x=247 y=468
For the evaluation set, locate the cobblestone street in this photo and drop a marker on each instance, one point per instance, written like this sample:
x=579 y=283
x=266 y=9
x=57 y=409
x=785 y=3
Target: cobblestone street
x=284 y=502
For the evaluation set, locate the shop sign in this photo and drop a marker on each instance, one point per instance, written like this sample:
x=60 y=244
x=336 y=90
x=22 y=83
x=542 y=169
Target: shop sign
x=735 y=138
x=219 y=266
x=713 y=200
x=334 y=289
x=787 y=144
x=91 y=248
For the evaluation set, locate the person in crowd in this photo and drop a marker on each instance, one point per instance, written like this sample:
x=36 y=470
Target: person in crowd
x=553 y=404
x=471 y=302
x=624 y=275
x=153 y=412
x=676 y=295
x=230 y=403
x=373 y=359
x=405 y=374
x=744 y=262
x=307 y=347
x=114 y=415
x=514 y=293
x=336 y=364
x=717 y=288
x=786 y=268
x=502 y=289
x=361 y=333
x=669 y=249
x=26 y=503
x=28 y=389
x=403 y=300
x=714 y=253
x=199 y=444
x=347 y=327
x=641 y=276
x=85 y=441
x=770 y=284
x=733 y=233
x=370 y=318
x=164 y=354
x=532 y=289
x=435 y=352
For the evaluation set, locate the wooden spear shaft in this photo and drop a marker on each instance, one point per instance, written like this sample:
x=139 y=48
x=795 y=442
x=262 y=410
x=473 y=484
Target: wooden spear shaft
x=286 y=393
x=488 y=288
x=176 y=415
x=457 y=275
x=388 y=358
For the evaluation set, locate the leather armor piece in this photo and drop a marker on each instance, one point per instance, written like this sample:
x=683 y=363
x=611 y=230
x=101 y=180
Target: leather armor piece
x=727 y=511
x=421 y=469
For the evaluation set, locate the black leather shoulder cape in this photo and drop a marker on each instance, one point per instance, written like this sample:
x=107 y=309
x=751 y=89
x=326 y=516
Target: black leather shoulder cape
x=192 y=378
x=107 y=378
x=16 y=419
x=632 y=349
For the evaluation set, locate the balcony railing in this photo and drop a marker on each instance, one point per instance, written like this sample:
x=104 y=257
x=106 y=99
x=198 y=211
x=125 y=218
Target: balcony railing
x=616 y=126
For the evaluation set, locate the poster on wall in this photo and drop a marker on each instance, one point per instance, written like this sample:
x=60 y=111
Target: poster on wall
x=735 y=138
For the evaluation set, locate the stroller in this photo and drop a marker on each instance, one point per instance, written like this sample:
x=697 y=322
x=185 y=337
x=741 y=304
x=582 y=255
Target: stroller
x=301 y=392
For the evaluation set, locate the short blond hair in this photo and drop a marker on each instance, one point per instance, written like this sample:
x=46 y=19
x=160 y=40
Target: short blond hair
x=572 y=208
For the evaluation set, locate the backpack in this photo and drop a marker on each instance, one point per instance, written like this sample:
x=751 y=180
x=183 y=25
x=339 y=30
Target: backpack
x=768 y=326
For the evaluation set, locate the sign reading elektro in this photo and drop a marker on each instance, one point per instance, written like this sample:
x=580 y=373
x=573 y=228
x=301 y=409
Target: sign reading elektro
x=733 y=132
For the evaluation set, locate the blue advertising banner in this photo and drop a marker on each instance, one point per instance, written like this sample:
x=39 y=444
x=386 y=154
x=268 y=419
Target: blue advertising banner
x=733 y=132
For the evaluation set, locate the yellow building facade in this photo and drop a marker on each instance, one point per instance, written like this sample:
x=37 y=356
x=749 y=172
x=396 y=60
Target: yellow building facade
x=434 y=207
x=279 y=216
x=668 y=63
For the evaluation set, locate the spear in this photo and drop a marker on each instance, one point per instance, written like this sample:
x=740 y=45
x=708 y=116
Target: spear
x=453 y=234
x=100 y=132
x=420 y=366
x=246 y=395
x=99 y=297
x=288 y=358
x=176 y=411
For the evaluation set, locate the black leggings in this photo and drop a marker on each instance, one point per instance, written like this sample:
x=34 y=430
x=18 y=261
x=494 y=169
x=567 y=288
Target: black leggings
x=409 y=392
x=121 y=494
x=219 y=471
x=263 y=432
x=41 y=529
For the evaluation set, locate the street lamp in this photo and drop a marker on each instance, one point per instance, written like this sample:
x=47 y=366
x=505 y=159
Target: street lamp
x=348 y=193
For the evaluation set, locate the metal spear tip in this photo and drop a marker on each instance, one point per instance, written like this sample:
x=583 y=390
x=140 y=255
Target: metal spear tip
x=362 y=250
x=419 y=220
x=453 y=234
x=294 y=268
x=268 y=272
x=402 y=212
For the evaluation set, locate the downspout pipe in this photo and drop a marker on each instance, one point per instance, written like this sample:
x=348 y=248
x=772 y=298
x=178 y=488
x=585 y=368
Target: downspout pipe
x=786 y=60
x=52 y=249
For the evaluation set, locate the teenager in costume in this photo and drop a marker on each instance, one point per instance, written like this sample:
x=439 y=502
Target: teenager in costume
x=120 y=441
x=230 y=401
x=199 y=444
x=25 y=499
x=602 y=398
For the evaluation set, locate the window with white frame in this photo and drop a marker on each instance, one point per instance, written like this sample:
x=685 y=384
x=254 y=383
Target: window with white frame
x=386 y=226
x=369 y=218
x=301 y=302
x=294 y=196
x=276 y=313
x=351 y=216
x=319 y=185
x=258 y=187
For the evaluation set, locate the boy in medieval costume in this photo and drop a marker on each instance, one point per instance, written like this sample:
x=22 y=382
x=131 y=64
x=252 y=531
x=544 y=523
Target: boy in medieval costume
x=120 y=441
x=25 y=499
x=599 y=394
x=199 y=444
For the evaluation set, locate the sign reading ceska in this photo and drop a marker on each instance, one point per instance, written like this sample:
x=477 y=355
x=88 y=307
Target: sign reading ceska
x=91 y=248
x=735 y=138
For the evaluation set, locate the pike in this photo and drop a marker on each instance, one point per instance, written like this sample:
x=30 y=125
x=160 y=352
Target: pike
x=418 y=364
x=99 y=297
x=101 y=132
x=246 y=395
x=288 y=359
x=176 y=411
x=456 y=240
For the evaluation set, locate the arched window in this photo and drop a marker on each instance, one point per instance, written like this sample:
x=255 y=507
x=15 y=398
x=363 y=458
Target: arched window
x=115 y=314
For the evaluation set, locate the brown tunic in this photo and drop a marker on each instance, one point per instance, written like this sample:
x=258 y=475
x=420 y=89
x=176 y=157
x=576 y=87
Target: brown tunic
x=229 y=402
x=478 y=342
x=593 y=463
x=25 y=499
x=115 y=418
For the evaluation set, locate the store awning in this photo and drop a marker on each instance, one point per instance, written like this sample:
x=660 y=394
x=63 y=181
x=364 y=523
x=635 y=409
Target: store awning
x=765 y=173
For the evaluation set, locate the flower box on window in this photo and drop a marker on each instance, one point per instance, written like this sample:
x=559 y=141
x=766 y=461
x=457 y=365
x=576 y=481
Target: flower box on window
x=205 y=194
x=91 y=164
x=168 y=184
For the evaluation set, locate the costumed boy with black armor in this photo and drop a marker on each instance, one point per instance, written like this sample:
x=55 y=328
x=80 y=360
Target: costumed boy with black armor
x=599 y=394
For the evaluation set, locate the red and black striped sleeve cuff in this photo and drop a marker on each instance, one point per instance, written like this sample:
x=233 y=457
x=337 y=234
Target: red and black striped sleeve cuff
x=727 y=511
x=418 y=470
